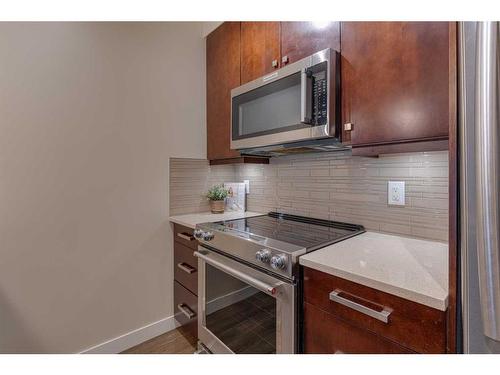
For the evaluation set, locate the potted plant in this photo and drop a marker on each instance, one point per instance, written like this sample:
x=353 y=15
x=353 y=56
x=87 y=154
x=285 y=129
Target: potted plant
x=216 y=195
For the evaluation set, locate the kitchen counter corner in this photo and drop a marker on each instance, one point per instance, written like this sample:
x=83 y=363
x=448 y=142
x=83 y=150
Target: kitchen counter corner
x=409 y=268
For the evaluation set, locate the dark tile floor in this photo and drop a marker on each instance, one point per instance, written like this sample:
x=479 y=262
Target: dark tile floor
x=248 y=326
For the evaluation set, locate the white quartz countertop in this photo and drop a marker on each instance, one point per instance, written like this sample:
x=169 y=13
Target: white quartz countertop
x=190 y=220
x=409 y=268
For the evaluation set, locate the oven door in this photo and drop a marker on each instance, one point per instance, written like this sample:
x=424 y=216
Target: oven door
x=243 y=310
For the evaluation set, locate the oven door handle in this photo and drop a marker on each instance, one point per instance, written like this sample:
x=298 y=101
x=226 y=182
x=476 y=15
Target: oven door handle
x=262 y=286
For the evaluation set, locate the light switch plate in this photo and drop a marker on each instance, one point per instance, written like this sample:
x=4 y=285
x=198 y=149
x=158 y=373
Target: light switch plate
x=396 y=193
x=247 y=186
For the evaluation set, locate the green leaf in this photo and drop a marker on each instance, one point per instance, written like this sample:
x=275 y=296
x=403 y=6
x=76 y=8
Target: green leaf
x=217 y=193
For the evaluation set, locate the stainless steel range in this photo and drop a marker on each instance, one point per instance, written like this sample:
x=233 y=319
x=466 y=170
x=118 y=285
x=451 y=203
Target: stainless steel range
x=249 y=276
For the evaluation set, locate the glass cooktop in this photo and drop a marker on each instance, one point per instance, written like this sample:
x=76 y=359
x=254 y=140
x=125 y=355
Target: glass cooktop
x=297 y=230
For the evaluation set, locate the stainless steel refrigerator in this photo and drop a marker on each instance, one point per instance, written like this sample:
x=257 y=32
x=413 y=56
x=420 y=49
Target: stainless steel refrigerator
x=479 y=195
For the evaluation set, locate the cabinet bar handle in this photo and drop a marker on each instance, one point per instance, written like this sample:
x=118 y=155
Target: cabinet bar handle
x=185 y=236
x=183 y=308
x=383 y=315
x=186 y=268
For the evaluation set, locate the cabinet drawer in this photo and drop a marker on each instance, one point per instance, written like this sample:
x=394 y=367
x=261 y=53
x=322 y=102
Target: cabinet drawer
x=186 y=309
x=184 y=235
x=415 y=326
x=186 y=267
x=324 y=333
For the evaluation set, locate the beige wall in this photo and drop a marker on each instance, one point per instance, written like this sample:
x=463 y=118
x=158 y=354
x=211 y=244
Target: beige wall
x=90 y=114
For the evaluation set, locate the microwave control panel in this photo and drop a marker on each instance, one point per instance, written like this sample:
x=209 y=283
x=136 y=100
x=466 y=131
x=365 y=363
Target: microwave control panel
x=318 y=74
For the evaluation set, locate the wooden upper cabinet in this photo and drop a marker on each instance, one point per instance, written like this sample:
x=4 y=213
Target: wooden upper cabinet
x=398 y=82
x=260 y=47
x=301 y=39
x=223 y=74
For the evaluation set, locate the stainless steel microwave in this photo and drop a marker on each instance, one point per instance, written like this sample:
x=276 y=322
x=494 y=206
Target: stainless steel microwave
x=299 y=102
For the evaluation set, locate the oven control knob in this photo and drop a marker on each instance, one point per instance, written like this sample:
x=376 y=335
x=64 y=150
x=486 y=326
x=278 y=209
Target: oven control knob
x=198 y=233
x=207 y=236
x=263 y=255
x=278 y=262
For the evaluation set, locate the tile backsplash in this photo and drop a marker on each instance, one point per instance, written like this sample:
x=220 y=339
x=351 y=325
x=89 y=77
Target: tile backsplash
x=190 y=179
x=335 y=186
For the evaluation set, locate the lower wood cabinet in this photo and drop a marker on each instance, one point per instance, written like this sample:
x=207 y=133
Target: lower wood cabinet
x=325 y=333
x=331 y=324
x=185 y=279
x=184 y=236
x=186 y=268
x=186 y=309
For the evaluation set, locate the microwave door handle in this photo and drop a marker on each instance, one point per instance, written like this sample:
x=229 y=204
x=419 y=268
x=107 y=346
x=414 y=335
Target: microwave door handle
x=305 y=97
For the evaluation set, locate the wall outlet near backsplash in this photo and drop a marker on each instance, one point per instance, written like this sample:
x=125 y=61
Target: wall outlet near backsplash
x=396 y=193
x=236 y=200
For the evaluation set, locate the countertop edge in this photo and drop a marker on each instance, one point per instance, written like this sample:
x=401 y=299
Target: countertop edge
x=423 y=299
x=180 y=222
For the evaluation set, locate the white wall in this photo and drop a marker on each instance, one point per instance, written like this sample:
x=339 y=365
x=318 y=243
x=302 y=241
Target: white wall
x=89 y=115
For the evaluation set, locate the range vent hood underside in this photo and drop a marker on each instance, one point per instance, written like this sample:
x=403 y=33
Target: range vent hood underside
x=318 y=145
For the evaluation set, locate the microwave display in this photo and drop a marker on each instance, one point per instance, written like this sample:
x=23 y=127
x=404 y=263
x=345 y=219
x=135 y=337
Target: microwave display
x=319 y=94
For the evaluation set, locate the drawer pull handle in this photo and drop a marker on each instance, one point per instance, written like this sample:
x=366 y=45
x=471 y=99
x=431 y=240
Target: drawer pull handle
x=185 y=236
x=183 y=308
x=186 y=268
x=383 y=315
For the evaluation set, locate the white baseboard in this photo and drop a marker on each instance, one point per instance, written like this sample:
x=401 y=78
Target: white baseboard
x=133 y=338
x=139 y=335
x=230 y=298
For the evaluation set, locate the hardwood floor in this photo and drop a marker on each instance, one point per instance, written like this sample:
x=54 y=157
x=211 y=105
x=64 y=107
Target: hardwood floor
x=173 y=342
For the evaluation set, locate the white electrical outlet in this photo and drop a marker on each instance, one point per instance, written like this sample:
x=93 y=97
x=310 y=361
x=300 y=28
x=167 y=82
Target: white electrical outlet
x=247 y=186
x=396 y=193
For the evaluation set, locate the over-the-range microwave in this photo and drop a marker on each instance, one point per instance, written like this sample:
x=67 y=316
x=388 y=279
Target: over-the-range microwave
x=294 y=109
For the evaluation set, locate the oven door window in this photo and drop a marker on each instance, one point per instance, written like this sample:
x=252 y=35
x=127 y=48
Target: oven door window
x=239 y=315
x=269 y=109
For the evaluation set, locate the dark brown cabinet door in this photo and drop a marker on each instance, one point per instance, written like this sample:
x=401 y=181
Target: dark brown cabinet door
x=223 y=74
x=186 y=267
x=411 y=325
x=186 y=309
x=325 y=333
x=260 y=47
x=397 y=81
x=301 y=39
